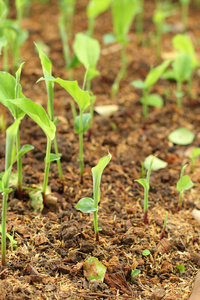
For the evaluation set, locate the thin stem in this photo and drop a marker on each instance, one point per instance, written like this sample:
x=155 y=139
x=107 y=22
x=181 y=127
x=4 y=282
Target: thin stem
x=145 y=104
x=180 y=201
x=96 y=230
x=139 y=24
x=73 y=108
x=47 y=166
x=145 y=205
x=58 y=161
x=81 y=146
x=179 y=94
x=91 y=23
x=19 y=167
x=3 y=234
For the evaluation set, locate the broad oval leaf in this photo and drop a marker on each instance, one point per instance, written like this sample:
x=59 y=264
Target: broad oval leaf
x=86 y=205
x=38 y=114
x=184 y=183
x=93 y=269
x=85 y=125
x=182 y=66
x=181 y=136
x=81 y=97
x=154 y=100
x=156 y=165
x=24 y=149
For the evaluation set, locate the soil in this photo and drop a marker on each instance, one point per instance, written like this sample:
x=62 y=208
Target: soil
x=53 y=246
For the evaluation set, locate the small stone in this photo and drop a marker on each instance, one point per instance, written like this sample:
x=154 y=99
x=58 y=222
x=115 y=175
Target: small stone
x=157 y=294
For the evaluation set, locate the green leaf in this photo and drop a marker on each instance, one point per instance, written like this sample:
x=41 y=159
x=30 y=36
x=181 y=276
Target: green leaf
x=87 y=50
x=53 y=157
x=38 y=114
x=183 y=43
x=86 y=205
x=182 y=66
x=155 y=74
x=154 y=100
x=181 y=136
x=45 y=61
x=146 y=252
x=123 y=13
x=86 y=118
x=134 y=273
x=181 y=268
x=93 y=269
x=24 y=150
x=81 y=97
x=139 y=84
x=184 y=183
x=96 y=7
x=97 y=173
x=143 y=182
x=195 y=152
x=157 y=163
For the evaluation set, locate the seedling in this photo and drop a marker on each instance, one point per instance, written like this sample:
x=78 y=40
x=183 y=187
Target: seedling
x=183 y=44
x=182 y=185
x=13 y=242
x=10 y=88
x=193 y=156
x=47 y=71
x=181 y=136
x=123 y=13
x=87 y=50
x=37 y=113
x=181 y=268
x=88 y=205
x=134 y=273
x=151 y=78
x=94 y=9
x=164 y=226
x=146 y=252
x=82 y=98
x=11 y=133
x=145 y=183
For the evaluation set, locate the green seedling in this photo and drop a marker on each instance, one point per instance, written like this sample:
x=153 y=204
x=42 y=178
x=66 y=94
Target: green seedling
x=193 y=156
x=181 y=268
x=159 y=20
x=88 y=50
x=20 y=5
x=13 y=242
x=37 y=113
x=123 y=13
x=67 y=8
x=164 y=226
x=82 y=98
x=145 y=183
x=47 y=71
x=134 y=273
x=88 y=205
x=94 y=9
x=183 y=44
x=10 y=88
x=181 y=136
x=11 y=133
x=146 y=252
x=184 y=12
x=151 y=78
x=184 y=183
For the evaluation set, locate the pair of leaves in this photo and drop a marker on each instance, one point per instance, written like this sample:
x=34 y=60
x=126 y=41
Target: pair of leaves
x=184 y=183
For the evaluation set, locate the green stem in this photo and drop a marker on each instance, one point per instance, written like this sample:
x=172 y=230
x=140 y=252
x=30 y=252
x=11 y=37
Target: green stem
x=91 y=23
x=81 y=146
x=3 y=234
x=73 y=108
x=145 y=104
x=158 y=40
x=95 y=221
x=179 y=92
x=19 y=167
x=58 y=161
x=139 y=24
x=47 y=166
x=180 y=201
x=145 y=205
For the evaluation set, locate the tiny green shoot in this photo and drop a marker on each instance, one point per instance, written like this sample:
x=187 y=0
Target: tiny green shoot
x=184 y=183
x=151 y=78
x=88 y=205
x=181 y=268
x=146 y=252
x=145 y=183
x=164 y=226
x=134 y=273
x=193 y=156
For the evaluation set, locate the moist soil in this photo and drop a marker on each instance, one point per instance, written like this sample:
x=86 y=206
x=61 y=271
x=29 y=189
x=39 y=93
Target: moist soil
x=54 y=245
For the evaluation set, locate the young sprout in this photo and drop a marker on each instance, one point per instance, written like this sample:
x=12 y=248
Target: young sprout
x=20 y=5
x=82 y=98
x=10 y=88
x=11 y=133
x=184 y=12
x=123 y=13
x=183 y=44
x=145 y=183
x=164 y=226
x=193 y=156
x=151 y=78
x=94 y=9
x=88 y=205
x=47 y=71
x=184 y=183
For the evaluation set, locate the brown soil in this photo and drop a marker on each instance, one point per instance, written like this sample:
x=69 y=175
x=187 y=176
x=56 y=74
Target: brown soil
x=52 y=246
